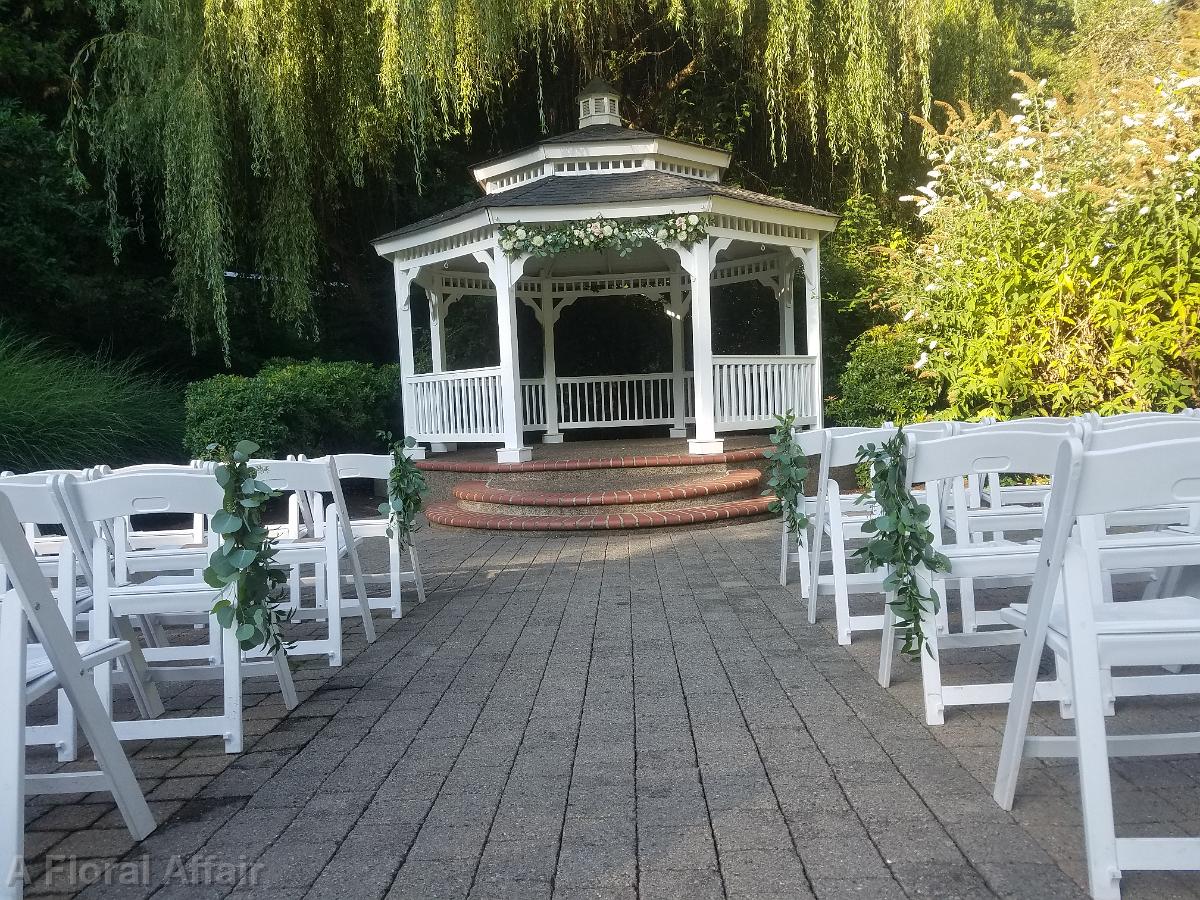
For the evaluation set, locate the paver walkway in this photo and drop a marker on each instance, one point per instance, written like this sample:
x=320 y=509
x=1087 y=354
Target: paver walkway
x=626 y=715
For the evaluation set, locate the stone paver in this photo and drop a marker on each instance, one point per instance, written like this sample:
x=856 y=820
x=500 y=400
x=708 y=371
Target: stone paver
x=627 y=715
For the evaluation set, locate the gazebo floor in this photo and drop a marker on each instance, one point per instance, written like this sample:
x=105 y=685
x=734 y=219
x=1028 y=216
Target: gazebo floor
x=631 y=483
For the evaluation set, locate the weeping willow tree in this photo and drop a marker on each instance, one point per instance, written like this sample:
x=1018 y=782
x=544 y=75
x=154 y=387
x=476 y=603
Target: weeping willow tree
x=238 y=120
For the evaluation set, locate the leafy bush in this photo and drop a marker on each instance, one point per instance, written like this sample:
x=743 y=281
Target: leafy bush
x=880 y=383
x=294 y=407
x=60 y=410
x=1059 y=270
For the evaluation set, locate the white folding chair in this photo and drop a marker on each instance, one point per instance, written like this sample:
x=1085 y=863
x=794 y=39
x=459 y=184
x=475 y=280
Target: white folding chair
x=60 y=559
x=942 y=466
x=1095 y=635
x=314 y=535
x=378 y=467
x=841 y=517
x=172 y=589
x=813 y=443
x=28 y=672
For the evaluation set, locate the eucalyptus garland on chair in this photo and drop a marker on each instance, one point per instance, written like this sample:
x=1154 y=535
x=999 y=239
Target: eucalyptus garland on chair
x=901 y=541
x=406 y=491
x=788 y=470
x=241 y=567
x=622 y=235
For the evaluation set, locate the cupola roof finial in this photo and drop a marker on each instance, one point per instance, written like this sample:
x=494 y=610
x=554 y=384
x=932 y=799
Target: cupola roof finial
x=599 y=104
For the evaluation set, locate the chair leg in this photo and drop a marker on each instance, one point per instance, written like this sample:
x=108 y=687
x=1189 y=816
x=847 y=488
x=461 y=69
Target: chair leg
x=784 y=548
x=1099 y=830
x=931 y=670
x=887 y=642
x=841 y=590
x=145 y=691
x=1020 y=704
x=416 y=567
x=802 y=562
x=231 y=677
x=396 y=584
x=332 y=589
x=12 y=748
x=287 y=687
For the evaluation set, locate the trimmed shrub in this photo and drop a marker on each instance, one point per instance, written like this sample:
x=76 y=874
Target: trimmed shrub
x=880 y=382
x=60 y=410
x=295 y=407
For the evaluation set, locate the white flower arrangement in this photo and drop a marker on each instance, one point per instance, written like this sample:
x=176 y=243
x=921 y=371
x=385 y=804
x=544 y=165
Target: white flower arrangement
x=622 y=235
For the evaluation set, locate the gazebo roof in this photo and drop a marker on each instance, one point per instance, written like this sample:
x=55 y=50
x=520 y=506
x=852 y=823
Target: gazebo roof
x=617 y=188
x=603 y=169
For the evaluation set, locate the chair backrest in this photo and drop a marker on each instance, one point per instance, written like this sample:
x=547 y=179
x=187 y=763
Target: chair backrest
x=185 y=491
x=33 y=502
x=980 y=452
x=307 y=475
x=377 y=466
x=843 y=448
x=1133 y=477
x=1150 y=430
x=1121 y=419
x=1047 y=425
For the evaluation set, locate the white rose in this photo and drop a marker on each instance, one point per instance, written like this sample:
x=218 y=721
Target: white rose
x=608 y=231
x=538 y=240
x=693 y=219
x=522 y=234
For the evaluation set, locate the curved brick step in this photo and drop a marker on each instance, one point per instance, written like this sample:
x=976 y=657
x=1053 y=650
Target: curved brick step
x=454 y=515
x=730 y=482
x=605 y=462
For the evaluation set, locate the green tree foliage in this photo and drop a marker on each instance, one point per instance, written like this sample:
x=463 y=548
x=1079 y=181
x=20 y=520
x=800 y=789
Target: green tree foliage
x=245 y=126
x=1060 y=265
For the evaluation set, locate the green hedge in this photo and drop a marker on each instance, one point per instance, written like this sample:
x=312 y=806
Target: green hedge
x=880 y=383
x=295 y=407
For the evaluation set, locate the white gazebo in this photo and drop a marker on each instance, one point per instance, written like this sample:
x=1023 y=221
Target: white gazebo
x=606 y=172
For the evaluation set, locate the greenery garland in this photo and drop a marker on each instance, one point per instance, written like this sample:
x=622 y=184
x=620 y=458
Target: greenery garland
x=788 y=470
x=241 y=567
x=406 y=491
x=901 y=541
x=622 y=235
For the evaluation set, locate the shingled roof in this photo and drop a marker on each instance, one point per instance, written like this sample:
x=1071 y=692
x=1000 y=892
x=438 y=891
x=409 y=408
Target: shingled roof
x=623 y=187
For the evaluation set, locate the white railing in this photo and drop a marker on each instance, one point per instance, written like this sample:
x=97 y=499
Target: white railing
x=533 y=402
x=749 y=391
x=448 y=407
x=594 y=401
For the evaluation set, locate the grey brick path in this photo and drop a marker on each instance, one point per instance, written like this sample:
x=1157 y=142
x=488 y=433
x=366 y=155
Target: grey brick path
x=591 y=717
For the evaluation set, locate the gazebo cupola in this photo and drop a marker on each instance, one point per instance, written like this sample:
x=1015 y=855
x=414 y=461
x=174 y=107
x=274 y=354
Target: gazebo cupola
x=599 y=104
x=601 y=211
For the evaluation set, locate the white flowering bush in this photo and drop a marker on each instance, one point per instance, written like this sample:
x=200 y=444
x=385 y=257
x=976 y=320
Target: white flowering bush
x=1059 y=264
x=622 y=235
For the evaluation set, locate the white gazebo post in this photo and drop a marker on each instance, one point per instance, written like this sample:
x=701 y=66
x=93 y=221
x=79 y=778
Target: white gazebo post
x=504 y=274
x=404 y=331
x=548 y=315
x=812 y=327
x=698 y=261
x=438 y=304
x=677 y=307
x=787 y=305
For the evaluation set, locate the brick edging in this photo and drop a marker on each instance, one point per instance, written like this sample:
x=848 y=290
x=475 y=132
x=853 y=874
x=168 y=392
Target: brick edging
x=606 y=462
x=480 y=492
x=447 y=513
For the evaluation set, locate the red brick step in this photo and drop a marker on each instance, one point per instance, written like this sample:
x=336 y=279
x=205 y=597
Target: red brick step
x=453 y=515
x=481 y=492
